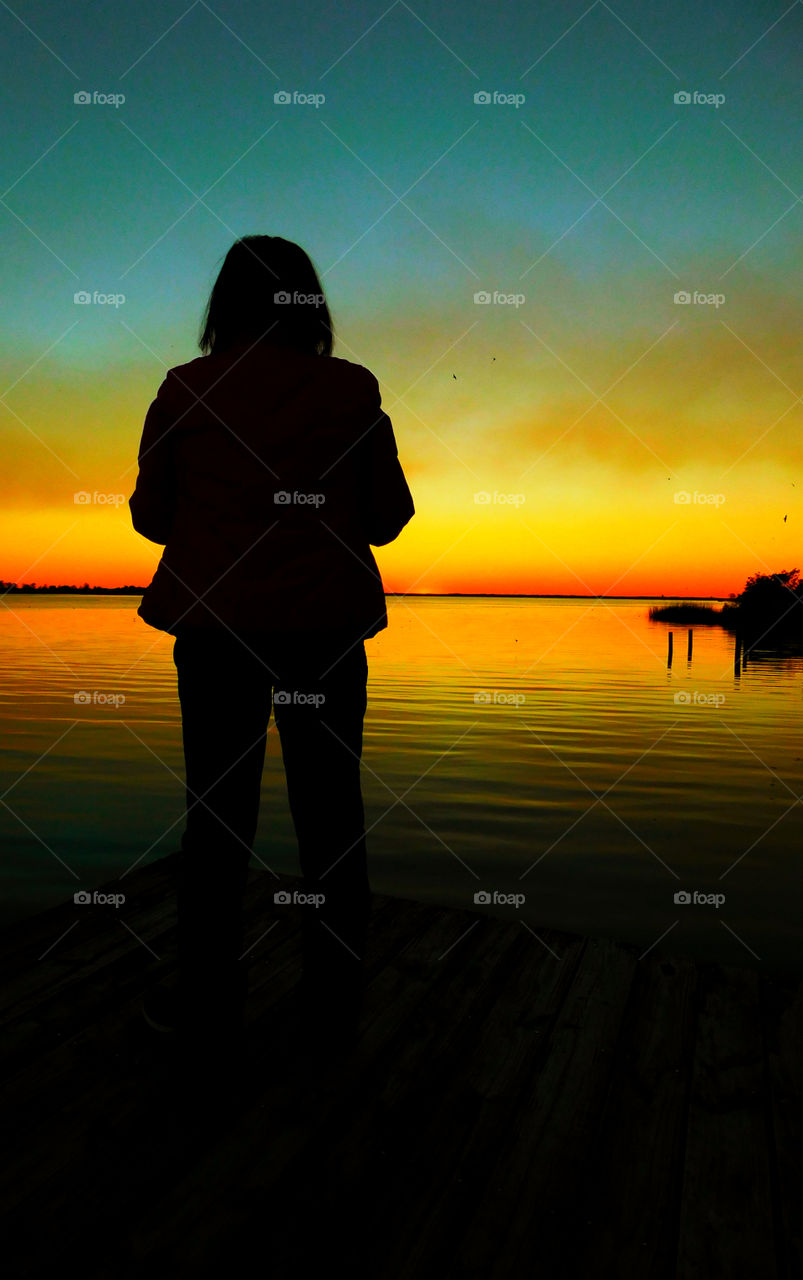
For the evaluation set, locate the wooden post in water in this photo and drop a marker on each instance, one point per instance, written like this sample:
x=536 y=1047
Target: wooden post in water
x=737 y=652
x=688 y=651
x=669 y=651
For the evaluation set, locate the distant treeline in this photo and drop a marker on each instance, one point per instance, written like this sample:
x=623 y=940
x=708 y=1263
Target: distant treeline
x=769 y=609
x=30 y=588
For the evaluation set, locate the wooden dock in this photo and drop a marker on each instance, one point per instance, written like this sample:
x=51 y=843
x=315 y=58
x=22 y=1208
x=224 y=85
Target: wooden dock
x=516 y=1105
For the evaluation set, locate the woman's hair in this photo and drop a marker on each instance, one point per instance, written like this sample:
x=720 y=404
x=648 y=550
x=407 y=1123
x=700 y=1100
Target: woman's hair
x=267 y=288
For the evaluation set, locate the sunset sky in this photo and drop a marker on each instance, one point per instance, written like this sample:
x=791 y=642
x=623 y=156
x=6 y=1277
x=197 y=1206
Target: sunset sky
x=581 y=409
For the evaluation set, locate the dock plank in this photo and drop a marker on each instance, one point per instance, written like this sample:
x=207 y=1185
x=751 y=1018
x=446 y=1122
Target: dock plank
x=783 y=1020
x=481 y=1098
x=515 y=1104
x=726 y=1219
x=352 y=1126
x=532 y=1184
x=633 y=1174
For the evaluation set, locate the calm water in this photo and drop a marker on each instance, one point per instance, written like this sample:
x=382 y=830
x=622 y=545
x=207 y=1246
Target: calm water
x=517 y=746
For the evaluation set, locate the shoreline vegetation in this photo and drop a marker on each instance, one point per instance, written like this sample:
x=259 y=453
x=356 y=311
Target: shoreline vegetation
x=768 y=611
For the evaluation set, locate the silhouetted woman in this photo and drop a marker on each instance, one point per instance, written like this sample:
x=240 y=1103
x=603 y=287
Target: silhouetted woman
x=267 y=467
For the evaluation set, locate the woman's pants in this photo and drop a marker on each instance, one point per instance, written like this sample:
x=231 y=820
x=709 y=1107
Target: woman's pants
x=317 y=685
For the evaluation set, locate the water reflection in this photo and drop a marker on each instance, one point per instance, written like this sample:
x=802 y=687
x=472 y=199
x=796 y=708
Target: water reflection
x=511 y=746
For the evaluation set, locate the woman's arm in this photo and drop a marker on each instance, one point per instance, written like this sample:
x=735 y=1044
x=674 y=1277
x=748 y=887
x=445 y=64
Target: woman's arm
x=387 y=503
x=152 y=503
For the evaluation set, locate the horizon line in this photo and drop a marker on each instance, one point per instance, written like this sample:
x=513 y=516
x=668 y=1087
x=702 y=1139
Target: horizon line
x=131 y=589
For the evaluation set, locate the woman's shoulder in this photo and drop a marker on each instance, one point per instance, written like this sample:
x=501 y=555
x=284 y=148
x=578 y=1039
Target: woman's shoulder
x=185 y=375
x=356 y=373
x=332 y=373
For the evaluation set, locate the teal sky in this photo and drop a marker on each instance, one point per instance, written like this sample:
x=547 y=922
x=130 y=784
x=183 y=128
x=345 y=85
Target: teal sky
x=494 y=197
x=199 y=96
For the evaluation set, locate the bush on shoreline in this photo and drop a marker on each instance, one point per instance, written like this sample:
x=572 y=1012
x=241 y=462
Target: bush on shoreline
x=770 y=608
